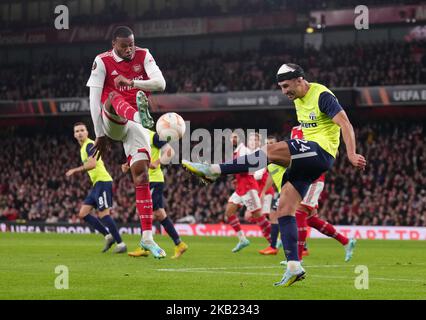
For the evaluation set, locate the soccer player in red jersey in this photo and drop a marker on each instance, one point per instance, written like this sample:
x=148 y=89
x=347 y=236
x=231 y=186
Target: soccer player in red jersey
x=120 y=81
x=246 y=194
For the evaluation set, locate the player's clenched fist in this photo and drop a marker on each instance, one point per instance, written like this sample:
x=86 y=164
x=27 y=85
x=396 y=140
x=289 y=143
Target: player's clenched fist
x=358 y=161
x=122 y=81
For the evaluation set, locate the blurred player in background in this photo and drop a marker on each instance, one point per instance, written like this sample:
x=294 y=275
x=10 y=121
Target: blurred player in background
x=246 y=194
x=119 y=111
x=161 y=153
x=270 y=204
x=100 y=196
x=322 y=118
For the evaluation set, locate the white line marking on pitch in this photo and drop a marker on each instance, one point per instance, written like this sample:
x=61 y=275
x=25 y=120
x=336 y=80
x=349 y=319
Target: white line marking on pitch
x=222 y=270
x=279 y=266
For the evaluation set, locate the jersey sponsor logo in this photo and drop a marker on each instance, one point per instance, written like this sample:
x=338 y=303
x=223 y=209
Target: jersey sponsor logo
x=114 y=73
x=312 y=116
x=137 y=68
x=309 y=125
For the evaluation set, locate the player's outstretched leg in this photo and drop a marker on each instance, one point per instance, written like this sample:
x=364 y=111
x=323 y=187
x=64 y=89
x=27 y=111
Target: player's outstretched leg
x=277 y=153
x=139 y=170
x=116 y=104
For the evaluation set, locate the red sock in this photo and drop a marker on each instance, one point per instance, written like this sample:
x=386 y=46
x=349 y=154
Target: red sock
x=144 y=206
x=122 y=107
x=234 y=222
x=302 y=231
x=328 y=229
x=265 y=226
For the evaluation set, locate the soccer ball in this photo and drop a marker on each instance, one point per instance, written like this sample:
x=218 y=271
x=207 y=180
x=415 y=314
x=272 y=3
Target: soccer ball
x=170 y=127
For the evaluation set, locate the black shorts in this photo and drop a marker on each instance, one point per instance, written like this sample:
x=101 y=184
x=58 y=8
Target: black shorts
x=308 y=162
x=157 y=195
x=100 y=196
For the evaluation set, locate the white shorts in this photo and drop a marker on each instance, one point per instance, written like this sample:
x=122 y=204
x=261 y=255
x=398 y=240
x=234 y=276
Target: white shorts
x=312 y=196
x=267 y=204
x=134 y=136
x=251 y=200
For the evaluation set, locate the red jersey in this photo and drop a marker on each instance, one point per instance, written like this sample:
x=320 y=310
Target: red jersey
x=245 y=181
x=109 y=65
x=297 y=133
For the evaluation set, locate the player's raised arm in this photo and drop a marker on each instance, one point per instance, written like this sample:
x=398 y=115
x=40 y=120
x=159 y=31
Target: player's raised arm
x=156 y=81
x=88 y=165
x=348 y=134
x=96 y=84
x=329 y=105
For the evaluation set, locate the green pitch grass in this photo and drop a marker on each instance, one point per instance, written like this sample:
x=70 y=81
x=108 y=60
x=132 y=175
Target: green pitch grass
x=208 y=270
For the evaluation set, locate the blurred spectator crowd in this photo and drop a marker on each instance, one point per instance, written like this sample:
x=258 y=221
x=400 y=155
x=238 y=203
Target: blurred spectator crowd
x=391 y=191
x=388 y=63
x=119 y=12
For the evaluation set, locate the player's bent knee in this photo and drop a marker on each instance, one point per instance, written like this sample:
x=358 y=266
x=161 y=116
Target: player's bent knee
x=82 y=214
x=103 y=213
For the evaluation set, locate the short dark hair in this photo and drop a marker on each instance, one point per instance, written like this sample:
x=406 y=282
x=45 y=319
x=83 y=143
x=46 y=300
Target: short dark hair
x=79 y=124
x=121 y=32
x=272 y=137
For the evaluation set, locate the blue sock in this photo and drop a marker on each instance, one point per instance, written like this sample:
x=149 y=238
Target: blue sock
x=171 y=231
x=288 y=229
x=107 y=220
x=256 y=160
x=275 y=229
x=96 y=224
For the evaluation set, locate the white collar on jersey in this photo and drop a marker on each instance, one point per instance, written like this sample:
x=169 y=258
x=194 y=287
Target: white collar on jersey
x=116 y=57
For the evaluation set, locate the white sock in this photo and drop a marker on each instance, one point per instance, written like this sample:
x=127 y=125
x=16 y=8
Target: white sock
x=137 y=117
x=293 y=265
x=241 y=235
x=108 y=236
x=215 y=168
x=121 y=244
x=147 y=235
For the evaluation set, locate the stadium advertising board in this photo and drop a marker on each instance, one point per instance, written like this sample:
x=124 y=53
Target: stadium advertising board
x=365 y=97
x=224 y=230
x=392 y=96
